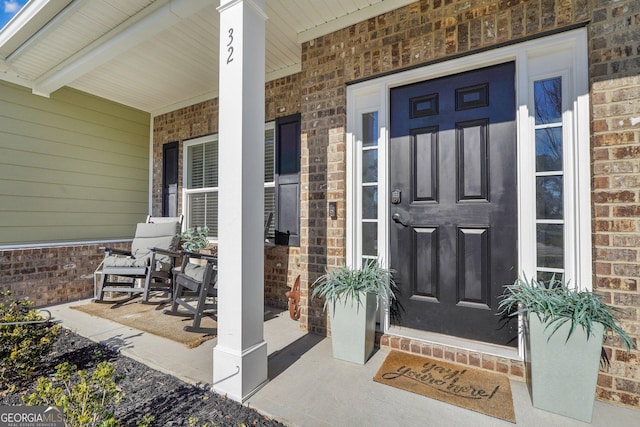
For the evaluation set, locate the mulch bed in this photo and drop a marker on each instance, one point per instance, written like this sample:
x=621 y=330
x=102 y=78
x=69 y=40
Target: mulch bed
x=147 y=392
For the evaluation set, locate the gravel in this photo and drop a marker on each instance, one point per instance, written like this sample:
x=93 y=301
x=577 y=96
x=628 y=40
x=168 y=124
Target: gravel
x=148 y=392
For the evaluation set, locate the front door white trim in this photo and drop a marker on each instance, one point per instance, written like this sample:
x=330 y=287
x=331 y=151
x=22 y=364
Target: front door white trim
x=563 y=54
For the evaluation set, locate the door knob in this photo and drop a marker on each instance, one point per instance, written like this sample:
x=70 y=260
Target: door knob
x=398 y=219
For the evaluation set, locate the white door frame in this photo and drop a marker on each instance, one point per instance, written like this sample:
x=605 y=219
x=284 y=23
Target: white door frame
x=563 y=54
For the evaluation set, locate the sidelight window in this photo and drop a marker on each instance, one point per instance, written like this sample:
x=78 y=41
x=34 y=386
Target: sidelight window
x=550 y=215
x=369 y=185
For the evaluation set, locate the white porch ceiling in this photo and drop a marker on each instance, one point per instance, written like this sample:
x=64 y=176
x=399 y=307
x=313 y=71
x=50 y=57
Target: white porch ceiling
x=155 y=55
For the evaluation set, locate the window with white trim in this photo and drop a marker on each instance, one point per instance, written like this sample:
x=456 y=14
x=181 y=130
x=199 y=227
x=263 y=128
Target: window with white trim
x=201 y=186
x=201 y=181
x=550 y=212
x=368 y=159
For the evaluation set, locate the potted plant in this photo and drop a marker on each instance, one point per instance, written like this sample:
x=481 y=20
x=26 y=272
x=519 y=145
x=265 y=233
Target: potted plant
x=564 y=331
x=354 y=296
x=195 y=239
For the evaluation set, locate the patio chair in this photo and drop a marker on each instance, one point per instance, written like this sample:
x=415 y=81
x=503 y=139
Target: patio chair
x=152 y=258
x=195 y=283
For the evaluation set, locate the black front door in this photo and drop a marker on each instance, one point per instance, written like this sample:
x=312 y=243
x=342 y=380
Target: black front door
x=453 y=202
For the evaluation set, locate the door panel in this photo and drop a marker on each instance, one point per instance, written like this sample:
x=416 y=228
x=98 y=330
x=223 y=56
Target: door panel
x=425 y=248
x=453 y=235
x=473 y=250
x=471 y=139
x=425 y=147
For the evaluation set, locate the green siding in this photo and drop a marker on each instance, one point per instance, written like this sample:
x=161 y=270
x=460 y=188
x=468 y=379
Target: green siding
x=73 y=167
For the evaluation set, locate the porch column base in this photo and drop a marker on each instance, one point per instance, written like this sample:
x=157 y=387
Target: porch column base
x=240 y=375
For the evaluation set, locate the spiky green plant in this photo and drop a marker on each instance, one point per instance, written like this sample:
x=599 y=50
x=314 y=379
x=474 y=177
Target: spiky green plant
x=557 y=303
x=345 y=284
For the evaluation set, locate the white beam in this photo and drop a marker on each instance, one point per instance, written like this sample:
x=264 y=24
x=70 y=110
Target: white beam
x=27 y=21
x=154 y=19
x=240 y=356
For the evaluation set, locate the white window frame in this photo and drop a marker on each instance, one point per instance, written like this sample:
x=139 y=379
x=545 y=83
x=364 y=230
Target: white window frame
x=271 y=125
x=560 y=54
x=185 y=176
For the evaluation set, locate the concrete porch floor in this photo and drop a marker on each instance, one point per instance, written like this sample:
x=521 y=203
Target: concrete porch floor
x=309 y=388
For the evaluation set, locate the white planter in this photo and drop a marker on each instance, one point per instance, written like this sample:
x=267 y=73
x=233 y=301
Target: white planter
x=353 y=328
x=563 y=374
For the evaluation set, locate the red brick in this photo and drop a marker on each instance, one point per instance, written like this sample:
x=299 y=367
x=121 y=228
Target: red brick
x=629 y=255
x=415 y=347
x=626 y=270
x=489 y=362
x=614 y=196
x=517 y=369
x=395 y=343
x=462 y=357
x=427 y=349
x=601 y=182
x=449 y=355
x=502 y=365
x=605 y=381
x=438 y=351
x=475 y=359
x=627 y=299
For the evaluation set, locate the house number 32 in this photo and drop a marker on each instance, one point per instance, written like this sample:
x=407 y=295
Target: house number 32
x=230 y=46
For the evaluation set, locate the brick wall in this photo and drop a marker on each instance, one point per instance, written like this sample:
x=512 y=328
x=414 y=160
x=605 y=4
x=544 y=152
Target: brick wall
x=52 y=275
x=282 y=98
x=433 y=30
x=614 y=69
x=514 y=368
x=417 y=34
x=186 y=123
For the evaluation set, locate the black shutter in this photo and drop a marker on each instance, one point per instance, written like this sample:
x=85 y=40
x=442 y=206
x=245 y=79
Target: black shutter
x=287 y=180
x=170 y=179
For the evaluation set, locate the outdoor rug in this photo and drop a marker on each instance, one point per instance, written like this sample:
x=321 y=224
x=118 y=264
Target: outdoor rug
x=150 y=318
x=485 y=392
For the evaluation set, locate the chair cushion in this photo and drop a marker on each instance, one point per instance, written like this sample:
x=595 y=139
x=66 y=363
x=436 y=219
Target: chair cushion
x=196 y=272
x=119 y=261
x=161 y=235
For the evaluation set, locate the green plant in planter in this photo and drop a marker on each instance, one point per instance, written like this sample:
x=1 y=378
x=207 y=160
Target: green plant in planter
x=355 y=295
x=556 y=303
x=195 y=238
x=564 y=329
x=348 y=284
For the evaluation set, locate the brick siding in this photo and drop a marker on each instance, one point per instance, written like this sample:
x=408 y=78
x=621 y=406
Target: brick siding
x=428 y=31
x=282 y=98
x=434 y=30
x=512 y=367
x=52 y=275
x=614 y=72
x=417 y=34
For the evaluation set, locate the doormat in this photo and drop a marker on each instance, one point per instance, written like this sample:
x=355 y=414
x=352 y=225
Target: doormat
x=485 y=392
x=150 y=318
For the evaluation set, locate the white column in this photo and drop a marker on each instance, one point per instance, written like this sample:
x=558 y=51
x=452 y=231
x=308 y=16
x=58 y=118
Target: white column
x=240 y=357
